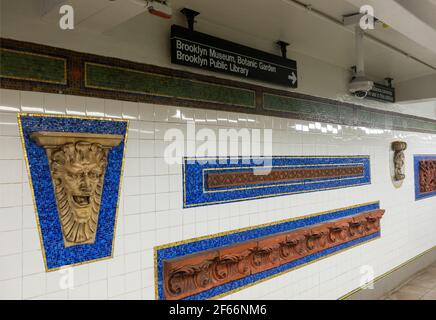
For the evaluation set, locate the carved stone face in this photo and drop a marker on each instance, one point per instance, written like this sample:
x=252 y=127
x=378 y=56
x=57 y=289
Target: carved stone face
x=77 y=164
x=80 y=182
x=77 y=172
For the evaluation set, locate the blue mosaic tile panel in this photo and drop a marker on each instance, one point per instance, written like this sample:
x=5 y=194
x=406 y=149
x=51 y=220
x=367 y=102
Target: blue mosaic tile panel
x=428 y=178
x=188 y=247
x=195 y=171
x=55 y=253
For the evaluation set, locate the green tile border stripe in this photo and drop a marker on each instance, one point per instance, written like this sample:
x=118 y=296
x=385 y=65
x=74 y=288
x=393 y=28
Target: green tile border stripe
x=353 y=115
x=22 y=65
x=118 y=79
x=344 y=297
x=211 y=93
x=283 y=103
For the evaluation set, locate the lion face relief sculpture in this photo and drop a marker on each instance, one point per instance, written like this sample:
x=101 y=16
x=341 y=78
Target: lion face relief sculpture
x=77 y=166
x=77 y=173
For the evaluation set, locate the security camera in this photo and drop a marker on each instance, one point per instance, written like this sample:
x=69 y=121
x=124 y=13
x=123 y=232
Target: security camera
x=160 y=8
x=360 y=86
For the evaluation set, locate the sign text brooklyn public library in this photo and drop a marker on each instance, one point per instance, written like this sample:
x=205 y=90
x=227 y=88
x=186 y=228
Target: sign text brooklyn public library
x=200 y=50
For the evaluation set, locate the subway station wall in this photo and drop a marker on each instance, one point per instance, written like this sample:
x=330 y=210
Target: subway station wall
x=134 y=42
x=151 y=212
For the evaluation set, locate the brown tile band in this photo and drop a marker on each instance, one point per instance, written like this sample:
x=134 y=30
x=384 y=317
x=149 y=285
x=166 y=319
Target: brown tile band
x=192 y=274
x=427 y=176
x=234 y=179
x=222 y=94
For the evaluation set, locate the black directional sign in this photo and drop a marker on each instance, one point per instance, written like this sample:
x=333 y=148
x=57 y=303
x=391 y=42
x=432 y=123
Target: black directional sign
x=199 y=50
x=382 y=93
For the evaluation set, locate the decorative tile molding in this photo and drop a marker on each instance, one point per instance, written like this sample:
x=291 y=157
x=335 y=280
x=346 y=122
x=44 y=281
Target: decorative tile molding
x=277 y=102
x=117 y=79
x=383 y=284
x=322 y=110
x=248 y=178
x=425 y=176
x=34 y=67
x=28 y=66
x=211 y=181
x=75 y=167
x=221 y=264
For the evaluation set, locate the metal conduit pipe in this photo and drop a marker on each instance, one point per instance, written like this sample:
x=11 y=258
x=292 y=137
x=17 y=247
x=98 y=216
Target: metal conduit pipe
x=327 y=17
x=360 y=64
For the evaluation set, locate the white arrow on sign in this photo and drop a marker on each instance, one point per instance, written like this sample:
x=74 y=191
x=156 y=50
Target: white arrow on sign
x=293 y=77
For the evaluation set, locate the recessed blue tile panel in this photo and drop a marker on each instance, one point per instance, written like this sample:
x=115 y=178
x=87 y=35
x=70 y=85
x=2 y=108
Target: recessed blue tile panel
x=197 y=194
x=55 y=253
x=418 y=194
x=176 y=250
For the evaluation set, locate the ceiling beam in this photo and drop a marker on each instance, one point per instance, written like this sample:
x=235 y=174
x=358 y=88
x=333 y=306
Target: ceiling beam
x=113 y=15
x=95 y=15
x=402 y=20
x=420 y=89
x=424 y=10
x=50 y=5
x=82 y=8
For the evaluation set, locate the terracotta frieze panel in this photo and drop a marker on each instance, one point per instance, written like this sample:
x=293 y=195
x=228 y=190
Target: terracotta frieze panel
x=229 y=179
x=211 y=181
x=425 y=176
x=75 y=167
x=193 y=271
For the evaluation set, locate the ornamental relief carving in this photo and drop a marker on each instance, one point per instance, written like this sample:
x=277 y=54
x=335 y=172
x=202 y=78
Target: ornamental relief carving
x=77 y=164
x=427 y=176
x=242 y=179
x=192 y=274
x=399 y=147
x=232 y=179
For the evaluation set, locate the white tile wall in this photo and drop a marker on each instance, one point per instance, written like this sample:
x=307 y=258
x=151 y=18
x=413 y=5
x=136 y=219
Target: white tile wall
x=151 y=211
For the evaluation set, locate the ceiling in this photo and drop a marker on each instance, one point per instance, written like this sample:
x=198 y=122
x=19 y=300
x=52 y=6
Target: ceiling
x=267 y=21
x=260 y=23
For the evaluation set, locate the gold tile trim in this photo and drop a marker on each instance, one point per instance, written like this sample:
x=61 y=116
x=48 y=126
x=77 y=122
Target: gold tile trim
x=292 y=269
x=64 y=82
x=20 y=128
x=380 y=277
x=220 y=234
x=269 y=195
x=277 y=157
x=87 y=85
